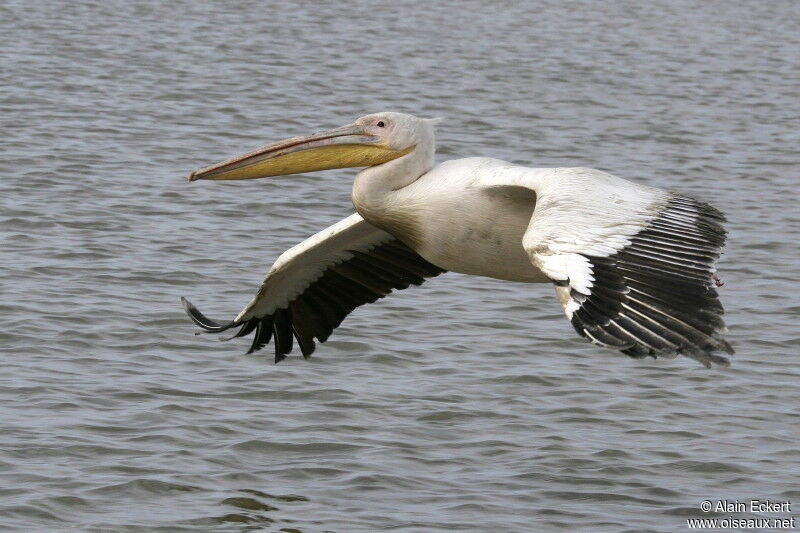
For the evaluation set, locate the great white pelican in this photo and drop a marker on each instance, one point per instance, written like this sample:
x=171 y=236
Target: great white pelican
x=632 y=265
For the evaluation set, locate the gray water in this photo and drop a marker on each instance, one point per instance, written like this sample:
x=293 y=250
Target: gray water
x=466 y=404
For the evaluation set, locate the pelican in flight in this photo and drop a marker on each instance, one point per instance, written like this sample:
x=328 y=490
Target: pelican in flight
x=632 y=265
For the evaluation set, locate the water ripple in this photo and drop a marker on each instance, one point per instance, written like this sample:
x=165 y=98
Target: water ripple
x=462 y=405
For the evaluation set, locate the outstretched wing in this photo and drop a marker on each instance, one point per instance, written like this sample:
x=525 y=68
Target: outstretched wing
x=633 y=265
x=313 y=286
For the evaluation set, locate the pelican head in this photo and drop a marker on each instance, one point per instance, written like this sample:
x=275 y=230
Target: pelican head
x=369 y=141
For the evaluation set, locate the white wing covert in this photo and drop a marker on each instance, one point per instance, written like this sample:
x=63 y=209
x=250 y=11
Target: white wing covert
x=314 y=285
x=633 y=265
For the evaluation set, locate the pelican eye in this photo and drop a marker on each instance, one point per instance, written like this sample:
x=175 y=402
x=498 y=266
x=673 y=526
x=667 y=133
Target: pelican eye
x=381 y=124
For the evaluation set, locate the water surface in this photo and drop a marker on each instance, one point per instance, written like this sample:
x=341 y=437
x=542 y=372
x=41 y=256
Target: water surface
x=467 y=404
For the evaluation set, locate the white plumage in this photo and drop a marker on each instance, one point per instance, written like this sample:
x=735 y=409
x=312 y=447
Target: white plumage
x=632 y=265
x=304 y=263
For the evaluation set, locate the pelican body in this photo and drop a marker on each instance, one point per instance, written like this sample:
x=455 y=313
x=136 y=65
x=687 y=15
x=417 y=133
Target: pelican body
x=632 y=266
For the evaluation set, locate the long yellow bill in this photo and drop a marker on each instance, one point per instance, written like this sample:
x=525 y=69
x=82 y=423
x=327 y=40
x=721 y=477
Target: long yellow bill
x=348 y=146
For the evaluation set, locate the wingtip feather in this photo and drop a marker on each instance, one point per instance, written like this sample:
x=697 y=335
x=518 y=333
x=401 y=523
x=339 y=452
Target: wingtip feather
x=203 y=321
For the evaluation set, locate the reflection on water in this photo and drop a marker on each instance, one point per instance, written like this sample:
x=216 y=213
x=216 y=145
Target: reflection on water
x=466 y=404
